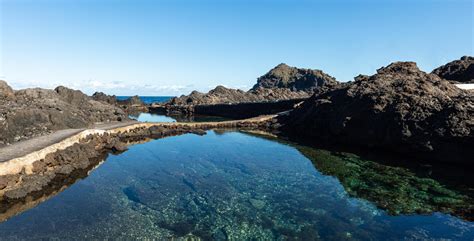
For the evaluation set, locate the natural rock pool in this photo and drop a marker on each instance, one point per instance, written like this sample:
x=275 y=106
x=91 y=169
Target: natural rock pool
x=232 y=185
x=154 y=117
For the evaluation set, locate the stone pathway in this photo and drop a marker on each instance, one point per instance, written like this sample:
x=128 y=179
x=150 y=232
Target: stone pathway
x=26 y=147
x=23 y=148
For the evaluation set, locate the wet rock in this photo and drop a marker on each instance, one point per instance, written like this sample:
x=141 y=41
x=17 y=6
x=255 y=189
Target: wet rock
x=199 y=132
x=116 y=146
x=399 y=109
x=457 y=71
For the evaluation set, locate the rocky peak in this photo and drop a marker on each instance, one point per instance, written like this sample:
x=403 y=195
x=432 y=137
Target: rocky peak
x=5 y=90
x=74 y=97
x=461 y=70
x=399 y=68
x=102 y=97
x=295 y=79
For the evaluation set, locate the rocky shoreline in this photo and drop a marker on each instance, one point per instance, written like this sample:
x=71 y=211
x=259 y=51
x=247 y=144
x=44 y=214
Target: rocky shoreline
x=23 y=176
x=400 y=109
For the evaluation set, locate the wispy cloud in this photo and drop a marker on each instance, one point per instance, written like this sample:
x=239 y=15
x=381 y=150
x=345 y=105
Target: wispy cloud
x=109 y=87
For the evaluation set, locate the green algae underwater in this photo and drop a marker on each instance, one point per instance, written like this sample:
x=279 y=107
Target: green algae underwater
x=229 y=185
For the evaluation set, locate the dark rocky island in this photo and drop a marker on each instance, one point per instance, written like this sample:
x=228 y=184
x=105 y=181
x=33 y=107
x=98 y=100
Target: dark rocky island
x=399 y=109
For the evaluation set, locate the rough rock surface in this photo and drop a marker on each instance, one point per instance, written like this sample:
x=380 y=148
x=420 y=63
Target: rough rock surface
x=102 y=97
x=223 y=95
x=131 y=105
x=295 y=79
x=400 y=109
x=461 y=70
x=34 y=112
x=281 y=83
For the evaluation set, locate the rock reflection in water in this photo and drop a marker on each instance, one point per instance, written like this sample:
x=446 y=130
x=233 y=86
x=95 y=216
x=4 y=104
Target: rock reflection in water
x=224 y=186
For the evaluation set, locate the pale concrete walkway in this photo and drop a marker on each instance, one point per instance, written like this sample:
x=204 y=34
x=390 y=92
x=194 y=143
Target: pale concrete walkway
x=23 y=148
x=26 y=147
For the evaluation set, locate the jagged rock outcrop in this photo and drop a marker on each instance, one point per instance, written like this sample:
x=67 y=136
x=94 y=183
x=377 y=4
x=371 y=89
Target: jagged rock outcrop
x=132 y=105
x=400 y=109
x=34 y=112
x=223 y=95
x=459 y=71
x=102 y=97
x=279 y=84
x=295 y=79
x=6 y=92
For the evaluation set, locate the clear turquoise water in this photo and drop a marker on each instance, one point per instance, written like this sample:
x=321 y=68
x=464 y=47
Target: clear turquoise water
x=153 y=117
x=224 y=185
x=149 y=117
x=149 y=99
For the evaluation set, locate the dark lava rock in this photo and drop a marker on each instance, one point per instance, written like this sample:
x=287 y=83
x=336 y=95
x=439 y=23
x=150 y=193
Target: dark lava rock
x=461 y=70
x=34 y=112
x=132 y=105
x=295 y=79
x=223 y=95
x=102 y=97
x=281 y=83
x=400 y=109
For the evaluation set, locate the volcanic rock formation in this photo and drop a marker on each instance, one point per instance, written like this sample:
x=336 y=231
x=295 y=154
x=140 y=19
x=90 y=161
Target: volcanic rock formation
x=132 y=105
x=400 y=109
x=295 y=79
x=461 y=71
x=33 y=112
x=281 y=83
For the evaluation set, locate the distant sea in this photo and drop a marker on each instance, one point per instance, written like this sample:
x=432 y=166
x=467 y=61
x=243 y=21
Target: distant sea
x=148 y=99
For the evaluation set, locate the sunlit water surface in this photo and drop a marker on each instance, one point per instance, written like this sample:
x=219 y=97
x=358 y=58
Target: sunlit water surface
x=153 y=117
x=216 y=187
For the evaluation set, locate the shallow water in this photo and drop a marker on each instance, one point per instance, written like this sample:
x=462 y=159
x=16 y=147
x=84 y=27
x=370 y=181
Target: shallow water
x=229 y=185
x=153 y=117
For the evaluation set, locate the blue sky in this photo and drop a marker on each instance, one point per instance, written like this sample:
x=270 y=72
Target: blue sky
x=172 y=47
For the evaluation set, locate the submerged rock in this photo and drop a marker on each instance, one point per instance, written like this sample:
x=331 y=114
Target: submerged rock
x=461 y=70
x=394 y=189
x=400 y=109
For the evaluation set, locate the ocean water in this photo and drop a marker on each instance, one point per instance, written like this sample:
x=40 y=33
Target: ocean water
x=149 y=99
x=229 y=185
